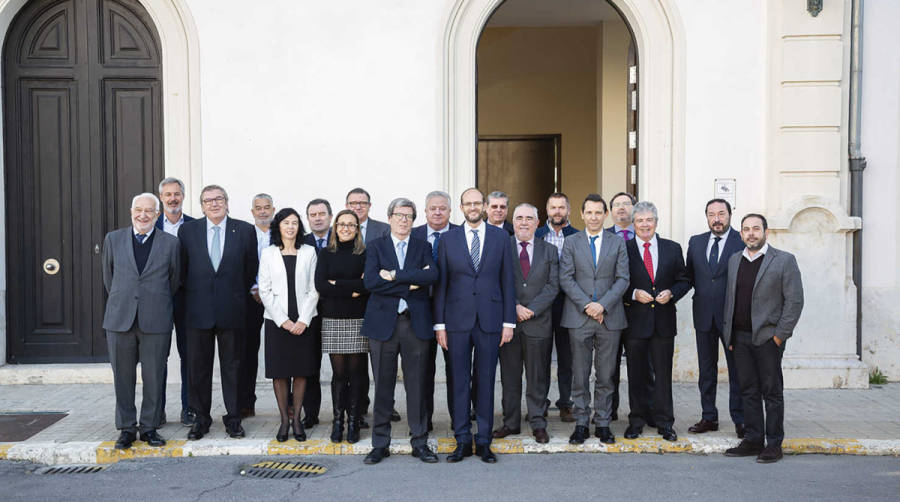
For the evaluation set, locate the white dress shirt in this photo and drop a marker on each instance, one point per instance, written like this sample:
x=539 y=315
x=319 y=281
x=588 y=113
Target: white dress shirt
x=209 y=235
x=654 y=254
x=148 y=234
x=758 y=254
x=712 y=240
x=480 y=229
x=262 y=240
x=597 y=244
x=432 y=231
x=172 y=228
x=528 y=249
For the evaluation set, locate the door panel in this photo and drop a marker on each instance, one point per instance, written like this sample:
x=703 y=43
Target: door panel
x=526 y=168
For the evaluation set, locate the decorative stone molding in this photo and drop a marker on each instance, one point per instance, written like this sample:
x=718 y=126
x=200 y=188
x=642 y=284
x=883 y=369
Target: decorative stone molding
x=842 y=222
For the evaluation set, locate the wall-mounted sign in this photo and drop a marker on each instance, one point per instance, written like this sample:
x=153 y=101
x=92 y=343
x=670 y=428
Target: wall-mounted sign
x=726 y=188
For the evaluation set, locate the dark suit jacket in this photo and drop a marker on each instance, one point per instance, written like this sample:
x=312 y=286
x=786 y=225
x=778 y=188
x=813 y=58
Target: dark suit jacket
x=647 y=319
x=542 y=232
x=506 y=226
x=463 y=294
x=418 y=269
x=217 y=298
x=310 y=239
x=376 y=229
x=421 y=232
x=538 y=291
x=159 y=221
x=709 y=285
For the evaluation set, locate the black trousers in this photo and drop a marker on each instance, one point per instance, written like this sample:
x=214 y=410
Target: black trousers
x=312 y=398
x=201 y=352
x=759 y=367
x=563 y=354
x=250 y=357
x=617 y=377
x=181 y=346
x=641 y=353
x=708 y=366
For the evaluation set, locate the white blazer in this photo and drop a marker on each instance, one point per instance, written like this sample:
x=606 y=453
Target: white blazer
x=272 y=280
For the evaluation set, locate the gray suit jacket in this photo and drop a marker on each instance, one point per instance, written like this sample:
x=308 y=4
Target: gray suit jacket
x=580 y=280
x=376 y=229
x=540 y=289
x=777 y=297
x=148 y=295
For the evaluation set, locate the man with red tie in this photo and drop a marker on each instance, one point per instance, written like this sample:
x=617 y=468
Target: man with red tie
x=658 y=281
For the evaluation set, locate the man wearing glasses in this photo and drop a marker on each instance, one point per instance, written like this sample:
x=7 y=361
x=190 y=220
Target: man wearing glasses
x=218 y=268
x=359 y=202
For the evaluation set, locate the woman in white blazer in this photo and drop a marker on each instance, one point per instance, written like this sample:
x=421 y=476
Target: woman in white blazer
x=288 y=292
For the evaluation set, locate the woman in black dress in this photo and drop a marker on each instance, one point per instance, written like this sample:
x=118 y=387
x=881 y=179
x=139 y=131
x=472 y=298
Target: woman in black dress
x=339 y=275
x=288 y=293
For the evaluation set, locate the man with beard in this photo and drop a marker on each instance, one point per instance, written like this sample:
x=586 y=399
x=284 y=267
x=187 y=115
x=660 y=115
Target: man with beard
x=763 y=302
x=474 y=307
x=555 y=232
x=707 y=269
x=497 y=210
x=171 y=192
x=263 y=209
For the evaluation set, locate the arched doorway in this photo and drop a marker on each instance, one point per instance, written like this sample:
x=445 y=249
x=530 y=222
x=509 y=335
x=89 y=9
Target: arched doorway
x=83 y=133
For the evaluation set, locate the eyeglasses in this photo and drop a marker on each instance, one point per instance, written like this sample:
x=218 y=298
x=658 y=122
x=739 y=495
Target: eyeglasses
x=473 y=204
x=623 y=204
x=403 y=216
x=348 y=226
x=529 y=219
x=358 y=203
x=215 y=200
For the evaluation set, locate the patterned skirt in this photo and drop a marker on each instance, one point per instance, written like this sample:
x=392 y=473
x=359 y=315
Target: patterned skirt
x=341 y=336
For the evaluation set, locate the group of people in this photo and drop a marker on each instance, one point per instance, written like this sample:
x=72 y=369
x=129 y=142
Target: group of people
x=487 y=292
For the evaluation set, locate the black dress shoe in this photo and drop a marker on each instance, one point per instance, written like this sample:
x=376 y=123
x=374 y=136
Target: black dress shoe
x=460 y=453
x=310 y=422
x=771 y=454
x=504 y=431
x=376 y=455
x=153 y=438
x=197 y=431
x=704 y=425
x=235 y=430
x=188 y=418
x=282 y=434
x=633 y=432
x=605 y=434
x=667 y=433
x=395 y=416
x=424 y=454
x=580 y=434
x=746 y=448
x=299 y=431
x=487 y=456
x=126 y=439
x=739 y=430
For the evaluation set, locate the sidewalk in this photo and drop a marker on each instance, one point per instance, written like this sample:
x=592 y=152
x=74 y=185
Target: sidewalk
x=857 y=422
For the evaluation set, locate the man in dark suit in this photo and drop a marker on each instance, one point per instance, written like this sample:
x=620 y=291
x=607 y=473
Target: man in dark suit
x=399 y=271
x=658 y=281
x=171 y=193
x=497 y=210
x=318 y=214
x=437 y=221
x=707 y=269
x=537 y=284
x=219 y=265
x=474 y=307
x=593 y=272
x=555 y=232
x=763 y=303
x=140 y=275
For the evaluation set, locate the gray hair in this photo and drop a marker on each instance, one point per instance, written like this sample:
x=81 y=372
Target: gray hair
x=169 y=181
x=263 y=196
x=145 y=195
x=208 y=188
x=527 y=206
x=645 y=207
x=437 y=193
x=497 y=194
x=401 y=202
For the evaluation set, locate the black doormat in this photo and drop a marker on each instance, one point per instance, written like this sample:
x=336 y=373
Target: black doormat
x=21 y=426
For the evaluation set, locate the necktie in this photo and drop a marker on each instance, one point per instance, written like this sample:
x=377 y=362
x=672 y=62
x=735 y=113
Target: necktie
x=594 y=250
x=648 y=260
x=714 y=254
x=523 y=260
x=401 y=260
x=475 y=250
x=626 y=234
x=434 y=245
x=141 y=238
x=215 y=251
x=320 y=243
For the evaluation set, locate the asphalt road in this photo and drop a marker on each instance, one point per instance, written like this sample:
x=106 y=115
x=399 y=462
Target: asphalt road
x=642 y=477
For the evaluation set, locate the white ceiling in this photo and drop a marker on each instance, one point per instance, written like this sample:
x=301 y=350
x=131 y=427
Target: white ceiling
x=552 y=13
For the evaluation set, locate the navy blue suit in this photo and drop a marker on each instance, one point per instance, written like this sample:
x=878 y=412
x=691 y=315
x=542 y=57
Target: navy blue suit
x=474 y=305
x=709 y=307
x=216 y=303
x=180 y=334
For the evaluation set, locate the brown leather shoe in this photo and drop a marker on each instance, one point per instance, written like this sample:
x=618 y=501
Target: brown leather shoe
x=704 y=425
x=565 y=414
x=770 y=454
x=504 y=431
x=541 y=436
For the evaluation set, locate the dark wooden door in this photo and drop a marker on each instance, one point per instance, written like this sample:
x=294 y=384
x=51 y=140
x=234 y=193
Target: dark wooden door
x=525 y=167
x=82 y=96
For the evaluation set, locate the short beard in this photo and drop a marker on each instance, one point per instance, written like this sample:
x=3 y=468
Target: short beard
x=172 y=211
x=476 y=220
x=558 y=221
x=264 y=223
x=759 y=245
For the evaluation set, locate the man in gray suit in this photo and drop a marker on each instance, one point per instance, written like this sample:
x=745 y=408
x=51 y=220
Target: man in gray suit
x=141 y=275
x=763 y=301
x=537 y=283
x=593 y=272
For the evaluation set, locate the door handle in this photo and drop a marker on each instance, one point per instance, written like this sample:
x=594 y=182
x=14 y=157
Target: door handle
x=51 y=266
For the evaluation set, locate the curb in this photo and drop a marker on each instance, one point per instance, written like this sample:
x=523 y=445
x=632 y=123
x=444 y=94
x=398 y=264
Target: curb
x=105 y=453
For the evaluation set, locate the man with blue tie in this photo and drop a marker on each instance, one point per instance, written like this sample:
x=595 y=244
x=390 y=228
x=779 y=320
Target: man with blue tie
x=474 y=308
x=399 y=271
x=218 y=267
x=171 y=193
x=437 y=221
x=707 y=271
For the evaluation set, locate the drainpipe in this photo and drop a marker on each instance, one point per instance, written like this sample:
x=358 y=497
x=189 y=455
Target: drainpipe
x=857 y=161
